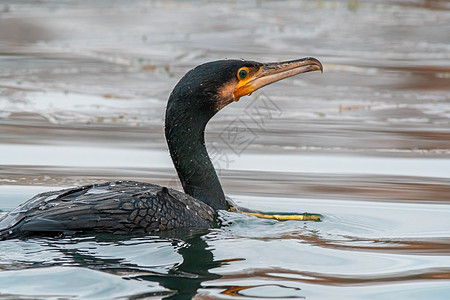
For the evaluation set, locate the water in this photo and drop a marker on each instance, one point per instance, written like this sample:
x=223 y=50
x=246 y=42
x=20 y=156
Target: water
x=366 y=144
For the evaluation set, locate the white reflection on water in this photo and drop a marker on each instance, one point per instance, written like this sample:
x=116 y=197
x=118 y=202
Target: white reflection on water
x=84 y=283
x=347 y=164
x=59 y=107
x=48 y=155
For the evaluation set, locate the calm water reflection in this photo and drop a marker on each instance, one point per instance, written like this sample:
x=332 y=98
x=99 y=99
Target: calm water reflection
x=116 y=266
x=83 y=88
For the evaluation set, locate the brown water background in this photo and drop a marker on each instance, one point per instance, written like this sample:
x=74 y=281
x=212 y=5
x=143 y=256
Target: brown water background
x=83 y=87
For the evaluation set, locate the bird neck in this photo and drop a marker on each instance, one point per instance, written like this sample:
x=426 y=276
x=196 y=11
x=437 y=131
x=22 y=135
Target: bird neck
x=185 y=135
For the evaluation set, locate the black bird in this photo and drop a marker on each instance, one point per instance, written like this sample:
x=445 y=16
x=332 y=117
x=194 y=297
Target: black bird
x=125 y=206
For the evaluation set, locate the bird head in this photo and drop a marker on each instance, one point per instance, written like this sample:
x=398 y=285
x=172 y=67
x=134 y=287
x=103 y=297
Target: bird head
x=209 y=87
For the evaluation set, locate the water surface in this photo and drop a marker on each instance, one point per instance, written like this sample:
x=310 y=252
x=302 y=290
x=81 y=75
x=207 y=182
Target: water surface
x=83 y=87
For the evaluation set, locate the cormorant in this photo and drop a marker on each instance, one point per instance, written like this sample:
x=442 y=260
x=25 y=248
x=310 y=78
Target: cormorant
x=125 y=206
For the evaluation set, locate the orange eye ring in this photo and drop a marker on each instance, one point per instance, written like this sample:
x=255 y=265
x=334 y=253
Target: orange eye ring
x=242 y=73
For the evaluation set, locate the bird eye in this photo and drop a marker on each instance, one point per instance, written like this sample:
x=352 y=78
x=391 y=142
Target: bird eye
x=242 y=73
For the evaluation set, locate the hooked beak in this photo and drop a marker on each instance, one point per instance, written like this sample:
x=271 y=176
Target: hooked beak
x=273 y=72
